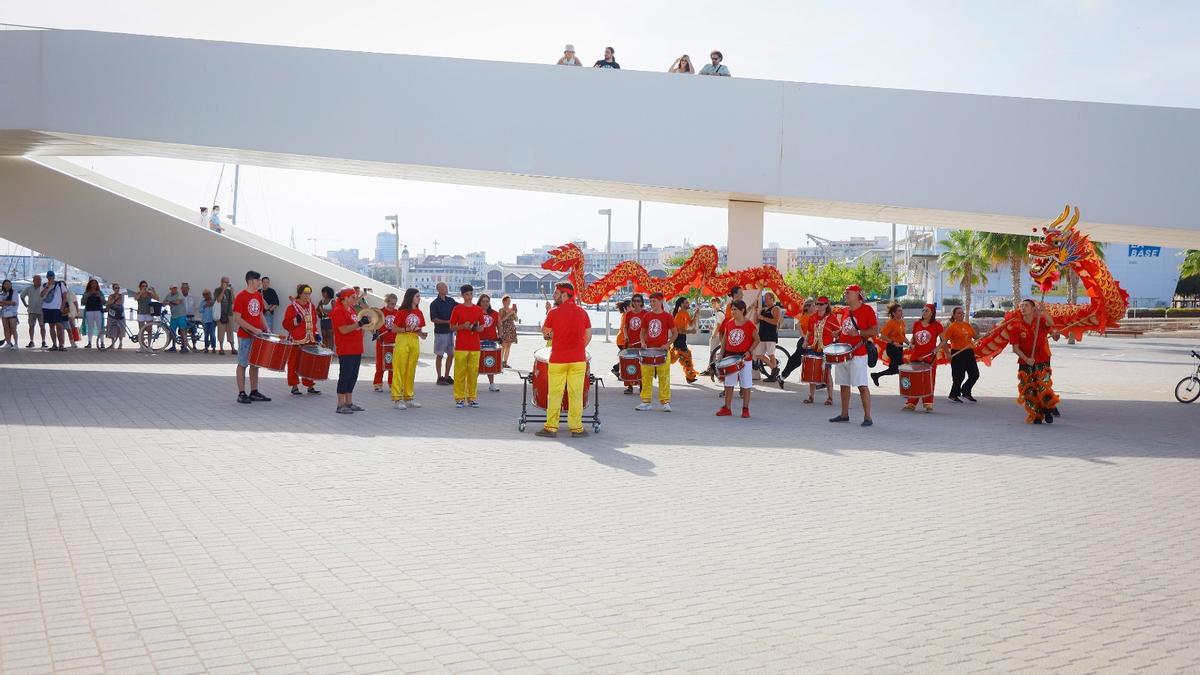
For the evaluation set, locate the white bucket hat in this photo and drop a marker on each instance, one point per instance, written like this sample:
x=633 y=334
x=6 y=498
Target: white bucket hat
x=569 y=48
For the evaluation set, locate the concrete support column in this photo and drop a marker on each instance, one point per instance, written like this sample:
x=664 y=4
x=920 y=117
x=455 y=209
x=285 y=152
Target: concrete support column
x=745 y=239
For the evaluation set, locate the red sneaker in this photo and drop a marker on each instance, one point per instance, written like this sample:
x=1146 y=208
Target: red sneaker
x=745 y=413
x=724 y=412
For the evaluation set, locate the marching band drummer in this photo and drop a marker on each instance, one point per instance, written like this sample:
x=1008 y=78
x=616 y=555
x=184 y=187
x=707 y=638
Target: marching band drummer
x=348 y=343
x=571 y=330
x=631 y=325
x=658 y=331
x=248 y=317
x=301 y=324
x=385 y=341
x=467 y=321
x=739 y=336
x=407 y=327
x=823 y=331
x=491 y=330
x=927 y=340
x=859 y=324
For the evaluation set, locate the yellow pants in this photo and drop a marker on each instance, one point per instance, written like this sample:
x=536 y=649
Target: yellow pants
x=663 y=371
x=569 y=376
x=404 y=366
x=466 y=374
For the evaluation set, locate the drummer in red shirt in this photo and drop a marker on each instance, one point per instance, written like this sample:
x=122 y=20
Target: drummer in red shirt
x=467 y=320
x=859 y=324
x=490 y=332
x=927 y=340
x=348 y=343
x=739 y=335
x=658 y=331
x=631 y=326
x=248 y=317
x=385 y=342
x=570 y=329
x=300 y=322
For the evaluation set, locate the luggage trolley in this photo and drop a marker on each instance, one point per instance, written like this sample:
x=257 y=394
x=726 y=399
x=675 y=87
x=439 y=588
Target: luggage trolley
x=538 y=381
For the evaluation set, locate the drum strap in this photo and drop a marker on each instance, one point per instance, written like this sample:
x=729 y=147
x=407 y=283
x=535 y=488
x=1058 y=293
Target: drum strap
x=306 y=314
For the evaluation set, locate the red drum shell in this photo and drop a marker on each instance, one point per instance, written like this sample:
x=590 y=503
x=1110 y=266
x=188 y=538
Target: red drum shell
x=812 y=369
x=314 y=362
x=489 y=359
x=654 y=357
x=630 y=365
x=839 y=353
x=541 y=380
x=728 y=365
x=270 y=352
x=916 y=380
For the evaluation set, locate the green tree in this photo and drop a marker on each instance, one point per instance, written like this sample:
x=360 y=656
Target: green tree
x=965 y=262
x=1010 y=249
x=676 y=261
x=831 y=279
x=1191 y=264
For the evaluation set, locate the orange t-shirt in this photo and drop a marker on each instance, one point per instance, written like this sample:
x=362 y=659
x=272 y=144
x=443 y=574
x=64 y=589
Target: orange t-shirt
x=893 y=331
x=1028 y=332
x=682 y=321
x=959 y=334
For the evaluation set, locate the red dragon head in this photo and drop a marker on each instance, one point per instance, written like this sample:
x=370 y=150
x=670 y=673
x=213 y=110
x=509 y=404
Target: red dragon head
x=1060 y=246
x=565 y=258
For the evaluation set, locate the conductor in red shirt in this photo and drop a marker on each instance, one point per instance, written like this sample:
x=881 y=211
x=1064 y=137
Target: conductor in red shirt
x=570 y=330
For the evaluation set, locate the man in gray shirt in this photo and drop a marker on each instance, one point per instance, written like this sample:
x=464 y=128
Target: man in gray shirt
x=32 y=298
x=175 y=301
x=715 y=68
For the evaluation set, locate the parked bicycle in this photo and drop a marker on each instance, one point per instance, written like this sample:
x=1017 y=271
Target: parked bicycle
x=1188 y=389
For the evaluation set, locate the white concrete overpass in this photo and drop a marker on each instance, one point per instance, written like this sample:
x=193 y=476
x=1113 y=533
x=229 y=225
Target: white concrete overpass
x=994 y=163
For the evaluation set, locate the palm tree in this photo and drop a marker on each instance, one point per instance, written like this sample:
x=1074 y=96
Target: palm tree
x=965 y=262
x=1011 y=249
x=1191 y=264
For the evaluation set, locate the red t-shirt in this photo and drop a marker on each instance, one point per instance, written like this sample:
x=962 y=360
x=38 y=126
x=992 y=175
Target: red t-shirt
x=738 y=337
x=296 y=325
x=466 y=340
x=491 y=322
x=1041 y=350
x=570 y=325
x=412 y=319
x=866 y=318
x=658 y=327
x=346 y=344
x=250 y=306
x=386 y=336
x=633 y=328
x=925 y=339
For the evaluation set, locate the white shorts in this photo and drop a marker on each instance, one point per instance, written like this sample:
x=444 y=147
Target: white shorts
x=743 y=377
x=764 y=349
x=852 y=373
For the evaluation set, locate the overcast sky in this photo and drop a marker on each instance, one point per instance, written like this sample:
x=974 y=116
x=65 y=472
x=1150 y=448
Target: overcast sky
x=1144 y=52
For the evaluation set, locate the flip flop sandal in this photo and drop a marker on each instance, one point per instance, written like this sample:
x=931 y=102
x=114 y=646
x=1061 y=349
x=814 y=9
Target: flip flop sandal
x=828 y=401
x=807 y=400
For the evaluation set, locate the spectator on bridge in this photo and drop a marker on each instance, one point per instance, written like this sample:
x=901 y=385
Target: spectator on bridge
x=223 y=298
x=115 y=304
x=32 y=298
x=203 y=216
x=609 y=60
x=209 y=322
x=715 y=68
x=569 y=58
x=214 y=221
x=93 y=309
x=9 y=302
x=53 y=302
x=144 y=296
x=271 y=300
x=683 y=64
x=175 y=301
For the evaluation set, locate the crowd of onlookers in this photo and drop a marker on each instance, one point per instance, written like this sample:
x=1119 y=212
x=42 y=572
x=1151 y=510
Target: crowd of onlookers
x=683 y=64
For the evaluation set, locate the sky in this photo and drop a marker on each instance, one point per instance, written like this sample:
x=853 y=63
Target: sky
x=1119 y=51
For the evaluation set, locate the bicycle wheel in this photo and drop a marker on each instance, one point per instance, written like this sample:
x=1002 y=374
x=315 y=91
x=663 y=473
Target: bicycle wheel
x=1188 y=389
x=156 y=336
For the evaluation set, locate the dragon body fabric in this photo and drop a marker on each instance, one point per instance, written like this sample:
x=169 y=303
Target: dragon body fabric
x=1060 y=246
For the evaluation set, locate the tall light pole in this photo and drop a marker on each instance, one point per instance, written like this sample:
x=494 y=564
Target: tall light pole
x=893 y=297
x=608 y=259
x=395 y=220
x=639 y=236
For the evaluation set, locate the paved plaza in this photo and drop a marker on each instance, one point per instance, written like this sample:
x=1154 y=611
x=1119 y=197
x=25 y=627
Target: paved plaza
x=149 y=523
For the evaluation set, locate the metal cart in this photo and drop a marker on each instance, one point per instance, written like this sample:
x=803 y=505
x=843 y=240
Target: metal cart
x=593 y=419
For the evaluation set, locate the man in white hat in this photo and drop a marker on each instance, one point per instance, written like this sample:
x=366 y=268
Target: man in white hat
x=568 y=57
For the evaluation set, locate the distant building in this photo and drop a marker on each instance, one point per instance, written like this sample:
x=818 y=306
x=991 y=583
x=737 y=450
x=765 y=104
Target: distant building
x=385 y=247
x=427 y=272
x=782 y=259
x=348 y=258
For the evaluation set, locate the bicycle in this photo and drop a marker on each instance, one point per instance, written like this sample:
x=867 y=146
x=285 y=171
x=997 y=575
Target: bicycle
x=1188 y=389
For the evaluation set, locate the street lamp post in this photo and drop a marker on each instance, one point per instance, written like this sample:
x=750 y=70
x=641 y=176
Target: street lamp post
x=395 y=220
x=608 y=259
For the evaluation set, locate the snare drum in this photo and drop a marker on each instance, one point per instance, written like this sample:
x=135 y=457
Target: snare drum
x=729 y=365
x=654 y=357
x=489 y=358
x=314 y=362
x=812 y=369
x=630 y=365
x=838 y=353
x=541 y=380
x=916 y=380
x=270 y=352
